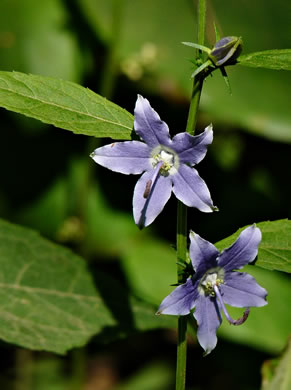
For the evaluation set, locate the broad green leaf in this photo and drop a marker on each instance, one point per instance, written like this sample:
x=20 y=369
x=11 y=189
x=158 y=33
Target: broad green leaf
x=64 y=104
x=269 y=59
x=48 y=300
x=276 y=373
x=275 y=247
x=35 y=38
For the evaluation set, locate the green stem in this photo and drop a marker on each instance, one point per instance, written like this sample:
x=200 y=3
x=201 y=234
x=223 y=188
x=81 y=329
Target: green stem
x=182 y=209
x=194 y=104
x=201 y=21
x=110 y=66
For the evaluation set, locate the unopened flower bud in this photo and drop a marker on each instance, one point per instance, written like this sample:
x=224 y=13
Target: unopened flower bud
x=227 y=49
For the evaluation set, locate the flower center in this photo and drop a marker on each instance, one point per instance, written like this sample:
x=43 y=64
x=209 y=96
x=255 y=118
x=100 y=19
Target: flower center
x=168 y=157
x=213 y=277
x=209 y=286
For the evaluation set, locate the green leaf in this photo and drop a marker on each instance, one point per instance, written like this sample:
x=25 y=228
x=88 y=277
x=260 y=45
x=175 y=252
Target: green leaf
x=269 y=59
x=275 y=247
x=48 y=300
x=64 y=104
x=277 y=374
x=35 y=38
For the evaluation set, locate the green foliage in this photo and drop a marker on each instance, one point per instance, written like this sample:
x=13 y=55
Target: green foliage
x=275 y=248
x=267 y=328
x=35 y=38
x=150 y=266
x=154 y=376
x=49 y=300
x=269 y=59
x=64 y=104
x=276 y=373
x=249 y=107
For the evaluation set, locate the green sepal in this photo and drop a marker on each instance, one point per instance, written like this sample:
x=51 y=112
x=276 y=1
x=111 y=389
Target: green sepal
x=196 y=46
x=201 y=68
x=217 y=34
x=225 y=78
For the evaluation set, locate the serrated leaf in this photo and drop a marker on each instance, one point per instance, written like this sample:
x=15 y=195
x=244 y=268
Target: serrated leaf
x=48 y=300
x=269 y=59
x=64 y=104
x=275 y=247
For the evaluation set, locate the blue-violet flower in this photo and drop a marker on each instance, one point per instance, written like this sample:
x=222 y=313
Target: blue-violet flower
x=215 y=284
x=167 y=164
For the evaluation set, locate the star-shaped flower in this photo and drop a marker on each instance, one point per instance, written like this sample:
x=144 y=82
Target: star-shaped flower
x=167 y=164
x=215 y=283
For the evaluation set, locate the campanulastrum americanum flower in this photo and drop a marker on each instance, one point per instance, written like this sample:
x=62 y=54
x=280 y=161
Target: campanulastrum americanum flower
x=215 y=283
x=166 y=164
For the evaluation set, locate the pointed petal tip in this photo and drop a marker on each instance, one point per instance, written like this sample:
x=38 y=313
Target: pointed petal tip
x=207 y=352
x=265 y=297
x=209 y=128
x=140 y=225
x=193 y=235
x=208 y=209
x=255 y=230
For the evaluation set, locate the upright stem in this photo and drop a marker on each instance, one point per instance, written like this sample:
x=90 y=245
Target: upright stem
x=109 y=74
x=182 y=209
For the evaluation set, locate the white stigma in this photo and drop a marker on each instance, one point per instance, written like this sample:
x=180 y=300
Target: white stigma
x=169 y=158
x=213 y=277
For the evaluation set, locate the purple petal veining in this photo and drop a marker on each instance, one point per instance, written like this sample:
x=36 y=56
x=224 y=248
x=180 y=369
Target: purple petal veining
x=166 y=164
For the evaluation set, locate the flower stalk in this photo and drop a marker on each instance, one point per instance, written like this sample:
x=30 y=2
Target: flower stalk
x=181 y=239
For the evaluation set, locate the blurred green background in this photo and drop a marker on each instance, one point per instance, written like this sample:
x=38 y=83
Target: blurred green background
x=119 y=48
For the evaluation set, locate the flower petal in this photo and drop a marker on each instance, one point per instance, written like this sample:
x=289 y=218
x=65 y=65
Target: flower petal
x=180 y=301
x=148 y=124
x=192 y=149
x=190 y=189
x=203 y=254
x=124 y=157
x=242 y=290
x=146 y=209
x=208 y=318
x=242 y=251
